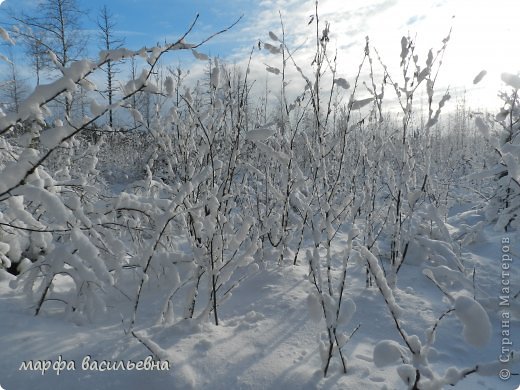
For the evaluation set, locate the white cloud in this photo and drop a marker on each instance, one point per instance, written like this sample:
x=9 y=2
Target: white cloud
x=483 y=37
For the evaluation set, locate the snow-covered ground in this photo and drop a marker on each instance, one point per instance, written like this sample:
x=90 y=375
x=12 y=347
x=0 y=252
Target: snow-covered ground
x=267 y=339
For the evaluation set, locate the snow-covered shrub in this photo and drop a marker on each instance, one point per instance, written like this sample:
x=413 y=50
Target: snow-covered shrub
x=407 y=154
x=51 y=208
x=313 y=194
x=504 y=206
x=412 y=355
x=201 y=198
x=328 y=302
x=64 y=235
x=118 y=164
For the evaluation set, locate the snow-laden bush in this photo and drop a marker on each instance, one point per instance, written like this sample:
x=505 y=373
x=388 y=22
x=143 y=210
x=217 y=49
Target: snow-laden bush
x=411 y=355
x=503 y=207
x=70 y=242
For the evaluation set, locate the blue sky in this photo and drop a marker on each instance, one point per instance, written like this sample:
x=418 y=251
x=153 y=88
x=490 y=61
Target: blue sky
x=485 y=33
x=144 y=22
